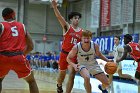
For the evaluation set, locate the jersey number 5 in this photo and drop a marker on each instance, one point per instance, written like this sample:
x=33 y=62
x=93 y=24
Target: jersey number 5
x=14 y=31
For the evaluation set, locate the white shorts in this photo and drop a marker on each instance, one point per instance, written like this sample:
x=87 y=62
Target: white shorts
x=93 y=70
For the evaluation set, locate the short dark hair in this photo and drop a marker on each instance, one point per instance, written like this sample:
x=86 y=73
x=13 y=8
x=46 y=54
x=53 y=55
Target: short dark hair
x=128 y=36
x=72 y=14
x=8 y=13
x=117 y=37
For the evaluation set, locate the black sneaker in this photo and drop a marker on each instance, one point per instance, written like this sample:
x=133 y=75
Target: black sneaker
x=59 y=89
x=103 y=91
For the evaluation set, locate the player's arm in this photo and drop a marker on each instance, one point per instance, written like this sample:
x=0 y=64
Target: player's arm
x=127 y=49
x=72 y=54
x=65 y=25
x=99 y=54
x=29 y=44
x=0 y=29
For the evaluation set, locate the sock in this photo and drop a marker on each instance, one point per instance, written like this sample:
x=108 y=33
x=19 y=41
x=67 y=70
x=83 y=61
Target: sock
x=103 y=88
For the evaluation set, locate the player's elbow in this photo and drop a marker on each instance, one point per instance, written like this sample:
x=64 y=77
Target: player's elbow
x=68 y=59
x=30 y=47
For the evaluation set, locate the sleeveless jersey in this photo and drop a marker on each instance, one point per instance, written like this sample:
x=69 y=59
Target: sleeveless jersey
x=71 y=38
x=86 y=58
x=135 y=53
x=117 y=51
x=12 y=37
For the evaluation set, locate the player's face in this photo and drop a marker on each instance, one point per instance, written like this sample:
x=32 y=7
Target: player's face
x=116 y=41
x=75 y=20
x=86 y=39
x=126 y=41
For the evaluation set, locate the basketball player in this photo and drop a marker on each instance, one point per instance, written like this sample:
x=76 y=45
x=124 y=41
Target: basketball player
x=117 y=53
x=139 y=42
x=134 y=50
x=71 y=35
x=15 y=43
x=86 y=52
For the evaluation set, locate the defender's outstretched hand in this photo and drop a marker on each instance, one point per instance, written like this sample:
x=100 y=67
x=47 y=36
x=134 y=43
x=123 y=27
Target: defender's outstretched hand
x=54 y=3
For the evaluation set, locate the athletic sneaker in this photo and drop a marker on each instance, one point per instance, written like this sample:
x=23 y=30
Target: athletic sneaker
x=103 y=91
x=59 y=89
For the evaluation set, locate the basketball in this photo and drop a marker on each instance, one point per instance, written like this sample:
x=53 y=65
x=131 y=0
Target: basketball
x=110 y=67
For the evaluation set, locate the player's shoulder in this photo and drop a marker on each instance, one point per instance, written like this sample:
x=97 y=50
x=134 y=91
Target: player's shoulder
x=120 y=46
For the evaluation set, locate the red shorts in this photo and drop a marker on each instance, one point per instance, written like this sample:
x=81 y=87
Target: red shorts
x=18 y=63
x=63 y=64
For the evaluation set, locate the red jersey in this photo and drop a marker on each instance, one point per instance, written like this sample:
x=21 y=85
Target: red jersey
x=71 y=38
x=135 y=53
x=12 y=37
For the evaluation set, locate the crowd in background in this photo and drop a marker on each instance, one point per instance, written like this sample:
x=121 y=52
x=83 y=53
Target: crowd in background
x=42 y=61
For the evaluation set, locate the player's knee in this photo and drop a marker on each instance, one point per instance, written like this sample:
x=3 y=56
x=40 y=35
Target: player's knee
x=87 y=79
x=1 y=79
x=107 y=83
x=120 y=74
x=71 y=74
x=30 y=81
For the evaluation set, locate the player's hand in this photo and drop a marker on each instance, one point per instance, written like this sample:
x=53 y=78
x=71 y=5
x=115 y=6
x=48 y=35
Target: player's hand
x=117 y=61
x=76 y=67
x=54 y=3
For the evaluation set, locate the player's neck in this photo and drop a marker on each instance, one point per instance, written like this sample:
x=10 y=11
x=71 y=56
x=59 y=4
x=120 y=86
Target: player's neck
x=75 y=26
x=116 y=44
x=85 y=46
x=10 y=20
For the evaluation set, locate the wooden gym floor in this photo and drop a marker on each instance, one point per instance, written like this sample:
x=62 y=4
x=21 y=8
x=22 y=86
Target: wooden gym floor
x=46 y=81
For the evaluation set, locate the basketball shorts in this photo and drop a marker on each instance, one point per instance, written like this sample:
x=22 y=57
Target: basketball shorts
x=93 y=70
x=63 y=64
x=18 y=63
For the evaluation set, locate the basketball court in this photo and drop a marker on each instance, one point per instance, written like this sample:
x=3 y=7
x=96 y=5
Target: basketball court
x=46 y=80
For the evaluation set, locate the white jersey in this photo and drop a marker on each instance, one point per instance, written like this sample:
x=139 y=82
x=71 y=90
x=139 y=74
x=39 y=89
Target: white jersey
x=118 y=51
x=86 y=57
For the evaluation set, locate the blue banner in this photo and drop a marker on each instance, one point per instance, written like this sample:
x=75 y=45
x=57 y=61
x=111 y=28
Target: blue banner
x=106 y=43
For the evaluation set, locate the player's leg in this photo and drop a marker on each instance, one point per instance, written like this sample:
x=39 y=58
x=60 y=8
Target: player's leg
x=85 y=74
x=61 y=77
x=123 y=75
x=32 y=83
x=110 y=78
x=104 y=80
x=1 y=79
x=62 y=71
x=22 y=67
x=72 y=73
x=100 y=75
x=4 y=68
x=70 y=81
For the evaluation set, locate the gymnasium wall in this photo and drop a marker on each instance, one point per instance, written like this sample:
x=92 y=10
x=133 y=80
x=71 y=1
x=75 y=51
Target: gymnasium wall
x=41 y=19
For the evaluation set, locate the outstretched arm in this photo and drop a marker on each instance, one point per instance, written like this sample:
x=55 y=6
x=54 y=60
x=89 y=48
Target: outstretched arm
x=99 y=54
x=61 y=19
x=72 y=54
x=127 y=49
